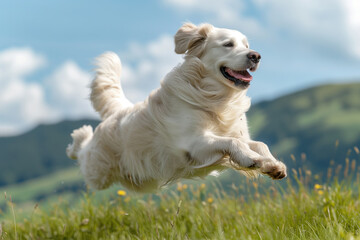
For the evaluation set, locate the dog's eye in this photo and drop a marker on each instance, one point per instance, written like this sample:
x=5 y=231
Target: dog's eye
x=229 y=44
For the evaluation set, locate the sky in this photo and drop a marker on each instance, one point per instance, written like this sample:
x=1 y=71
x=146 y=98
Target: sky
x=47 y=49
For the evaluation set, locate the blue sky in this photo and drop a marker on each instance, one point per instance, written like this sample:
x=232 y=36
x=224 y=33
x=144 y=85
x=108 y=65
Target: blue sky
x=47 y=48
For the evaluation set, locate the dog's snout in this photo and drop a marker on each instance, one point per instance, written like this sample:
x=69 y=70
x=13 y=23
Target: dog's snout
x=254 y=56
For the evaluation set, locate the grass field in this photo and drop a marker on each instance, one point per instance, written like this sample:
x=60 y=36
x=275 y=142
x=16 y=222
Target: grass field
x=302 y=207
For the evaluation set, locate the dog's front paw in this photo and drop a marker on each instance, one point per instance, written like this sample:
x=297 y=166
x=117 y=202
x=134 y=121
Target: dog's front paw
x=274 y=169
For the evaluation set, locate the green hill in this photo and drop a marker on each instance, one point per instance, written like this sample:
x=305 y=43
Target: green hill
x=321 y=122
x=38 y=152
x=308 y=121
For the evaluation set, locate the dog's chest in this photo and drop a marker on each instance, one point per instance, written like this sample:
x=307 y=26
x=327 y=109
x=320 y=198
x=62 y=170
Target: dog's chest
x=231 y=125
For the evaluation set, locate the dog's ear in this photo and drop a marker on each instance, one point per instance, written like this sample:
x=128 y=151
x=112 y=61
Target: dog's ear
x=190 y=39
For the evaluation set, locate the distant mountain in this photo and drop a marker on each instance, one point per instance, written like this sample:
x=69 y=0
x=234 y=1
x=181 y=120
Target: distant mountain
x=306 y=122
x=38 y=152
x=321 y=123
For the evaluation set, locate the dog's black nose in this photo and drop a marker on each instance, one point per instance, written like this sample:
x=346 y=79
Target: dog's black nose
x=254 y=56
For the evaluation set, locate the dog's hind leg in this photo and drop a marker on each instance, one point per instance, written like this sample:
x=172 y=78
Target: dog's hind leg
x=80 y=137
x=95 y=164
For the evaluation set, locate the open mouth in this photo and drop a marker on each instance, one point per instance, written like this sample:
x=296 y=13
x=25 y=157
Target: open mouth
x=239 y=78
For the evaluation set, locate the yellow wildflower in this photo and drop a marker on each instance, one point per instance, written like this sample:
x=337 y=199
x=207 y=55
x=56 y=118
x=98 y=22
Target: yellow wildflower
x=121 y=212
x=210 y=200
x=121 y=193
x=184 y=186
x=318 y=186
x=356 y=150
x=85 y=221
x=320 y=192
x=202 y=186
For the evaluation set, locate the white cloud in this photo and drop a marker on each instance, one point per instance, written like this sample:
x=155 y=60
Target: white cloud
x=22 y=104
x=68 y=91
x=144 y=66
x=327 y=25
x=317 y=25
x=19 y=62
x=352 y=18
x=25 y=104
x=324 y=25
x=64 y=93
x=229 y=13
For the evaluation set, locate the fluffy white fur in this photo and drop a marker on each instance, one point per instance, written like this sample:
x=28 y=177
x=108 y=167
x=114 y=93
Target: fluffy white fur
x=192 y=125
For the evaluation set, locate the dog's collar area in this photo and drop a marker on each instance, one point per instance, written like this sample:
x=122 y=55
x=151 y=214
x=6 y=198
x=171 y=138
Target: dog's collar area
x=242 y=77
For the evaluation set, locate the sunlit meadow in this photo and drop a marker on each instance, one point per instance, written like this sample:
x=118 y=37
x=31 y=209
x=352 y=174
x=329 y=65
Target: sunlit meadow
x=304 y=206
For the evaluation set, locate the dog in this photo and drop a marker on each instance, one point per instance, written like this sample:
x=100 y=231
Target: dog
x=194 y=124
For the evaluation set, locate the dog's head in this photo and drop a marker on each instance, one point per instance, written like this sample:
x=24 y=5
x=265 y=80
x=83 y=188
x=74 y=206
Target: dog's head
x=224 y=52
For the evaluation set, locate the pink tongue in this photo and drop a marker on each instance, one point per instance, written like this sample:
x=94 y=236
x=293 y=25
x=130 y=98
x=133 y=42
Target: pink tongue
x=243 y=75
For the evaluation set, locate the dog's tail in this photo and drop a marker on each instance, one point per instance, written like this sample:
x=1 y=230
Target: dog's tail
x=107 y=95
x=80 y=137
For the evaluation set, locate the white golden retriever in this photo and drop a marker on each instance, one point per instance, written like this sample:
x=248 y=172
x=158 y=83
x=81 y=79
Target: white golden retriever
x=192 y=125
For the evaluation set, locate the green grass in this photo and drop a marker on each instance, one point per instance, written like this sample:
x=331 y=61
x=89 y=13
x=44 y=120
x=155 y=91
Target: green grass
x=255 y=209
x=65 y=185
x=41 y=191
x=43 y=185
